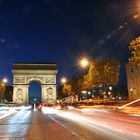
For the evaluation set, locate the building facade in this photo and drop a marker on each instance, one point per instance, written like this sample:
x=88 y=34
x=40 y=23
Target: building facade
x=133 y=80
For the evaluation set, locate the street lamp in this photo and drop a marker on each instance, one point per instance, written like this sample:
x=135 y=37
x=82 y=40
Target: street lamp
x=131 y=91
x=2 y=87
x=4 y=80
x=110 y=88
x=110 y=92
x=84 y=62
x=63 y=80
x=89 y=93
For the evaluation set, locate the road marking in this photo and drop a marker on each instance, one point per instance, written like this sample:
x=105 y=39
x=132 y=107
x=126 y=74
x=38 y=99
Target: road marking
x=70 y=130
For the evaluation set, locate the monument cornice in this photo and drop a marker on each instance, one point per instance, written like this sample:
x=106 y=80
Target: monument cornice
x=34 y=66
x=42 y=72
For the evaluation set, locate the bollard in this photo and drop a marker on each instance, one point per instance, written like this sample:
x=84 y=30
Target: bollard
x=35 y=107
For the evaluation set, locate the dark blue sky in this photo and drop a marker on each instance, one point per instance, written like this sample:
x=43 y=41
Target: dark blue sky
x=61 y=31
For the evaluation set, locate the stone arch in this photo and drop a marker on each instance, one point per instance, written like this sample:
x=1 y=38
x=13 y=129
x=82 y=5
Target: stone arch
x=34 y=78
x=24 y=73
x=31 y=81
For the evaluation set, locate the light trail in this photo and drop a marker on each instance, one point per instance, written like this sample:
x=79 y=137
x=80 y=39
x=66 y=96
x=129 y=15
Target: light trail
x=128 y=104
x=108 y=124
x=7 y=111
x=90 y=124
x=49 y=110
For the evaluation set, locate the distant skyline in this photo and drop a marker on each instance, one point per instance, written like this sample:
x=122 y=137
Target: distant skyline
x=62 y=31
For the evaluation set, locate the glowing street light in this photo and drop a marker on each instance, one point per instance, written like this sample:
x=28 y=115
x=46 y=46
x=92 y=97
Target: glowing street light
x=84 y=62
x=110 y=92
x=63 y=80
x=110 y=88
x=5 y=80
x=89 y=93
x=3 y=87
x=131 y=91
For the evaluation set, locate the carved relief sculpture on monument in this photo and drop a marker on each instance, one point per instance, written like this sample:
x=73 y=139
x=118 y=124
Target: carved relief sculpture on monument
x=49 y=80
x=19 y=79
x=19 y=95
x=49 y=94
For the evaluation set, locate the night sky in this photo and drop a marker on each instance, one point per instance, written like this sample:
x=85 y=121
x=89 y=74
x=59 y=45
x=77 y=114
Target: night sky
x=62 y=31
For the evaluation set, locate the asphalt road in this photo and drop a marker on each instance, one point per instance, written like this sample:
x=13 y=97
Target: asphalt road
x=69 y=125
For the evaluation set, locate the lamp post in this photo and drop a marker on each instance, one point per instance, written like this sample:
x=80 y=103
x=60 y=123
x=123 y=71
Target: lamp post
x=63 y=80
x=110 y=88
x=131 y=91
x=84 y=62
x=4 y=80
x=2 y=87
x=110 y=92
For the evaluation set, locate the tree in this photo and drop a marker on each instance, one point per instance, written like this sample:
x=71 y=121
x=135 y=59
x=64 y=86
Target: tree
x=102 y=72
x=135 y=51
x=60 y=93
x=64 y=90
x=9 y=93
x=110 y=71
x=2 y=90
x=90 y=80
x=67 y=89
x=77 y=84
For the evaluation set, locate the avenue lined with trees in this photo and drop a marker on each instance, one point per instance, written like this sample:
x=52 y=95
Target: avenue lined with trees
x=101 y=73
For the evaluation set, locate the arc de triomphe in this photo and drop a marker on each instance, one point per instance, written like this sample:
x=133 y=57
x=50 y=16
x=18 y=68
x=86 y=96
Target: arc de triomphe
x=24 y=73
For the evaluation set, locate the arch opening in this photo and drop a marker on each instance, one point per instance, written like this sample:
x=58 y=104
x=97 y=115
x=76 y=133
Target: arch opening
x=35 y=94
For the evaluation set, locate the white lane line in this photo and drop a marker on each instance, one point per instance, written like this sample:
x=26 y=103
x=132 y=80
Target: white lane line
x=70 y=130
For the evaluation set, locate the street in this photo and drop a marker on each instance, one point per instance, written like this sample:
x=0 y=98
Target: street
x=84 y=124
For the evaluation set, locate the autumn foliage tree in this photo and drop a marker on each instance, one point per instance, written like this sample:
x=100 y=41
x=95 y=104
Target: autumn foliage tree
x=2 y=90
x=135 y=51
x=90 y=79
x=77 y=83
x=64 y=90
x=74 y=86
x=108 y=70
x=67 y=89
x=102 y=72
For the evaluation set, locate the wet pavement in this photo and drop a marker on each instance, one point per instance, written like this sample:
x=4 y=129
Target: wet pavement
x=36 y=125
x=69 y=125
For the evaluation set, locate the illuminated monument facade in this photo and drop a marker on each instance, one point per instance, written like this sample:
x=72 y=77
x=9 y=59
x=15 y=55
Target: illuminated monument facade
x=133 y=69
x=133 y=80
x=25 y=73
